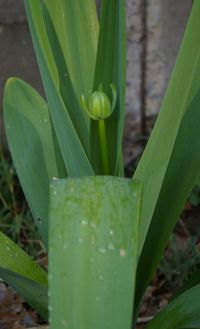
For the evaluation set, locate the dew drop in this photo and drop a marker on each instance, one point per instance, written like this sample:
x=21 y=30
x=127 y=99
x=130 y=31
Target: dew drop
x=97 y=298
x=45 y=120
x=100 y=277
x=63 y=323
x=50 y=276
x=135 y=194
x=55 y=178
x=54 y=192
x=7 y=126
x=80 y=240
x=102 y=250
x=122 y=252
x=93 y=225
x=111 y=246
x=65 y=247
x=91 y=259
x=84 y=222
x=39 y=220
x=50 y=308
x=8 y=248
x=60 y=236
x=111 y=232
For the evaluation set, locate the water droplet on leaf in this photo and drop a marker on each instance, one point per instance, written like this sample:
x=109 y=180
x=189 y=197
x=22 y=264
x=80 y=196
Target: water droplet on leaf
x=122 y=252
x=102 y=250
x=84 y=222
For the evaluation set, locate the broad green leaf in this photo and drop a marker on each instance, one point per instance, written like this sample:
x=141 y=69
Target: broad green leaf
x=74 y=155
x=76 y=25
x=183 y=312
x=31 y=145
x=170 y=164
x=13 y=258
x=111 y=68
x=22 y=273
x=93 y=252
x=33 y=292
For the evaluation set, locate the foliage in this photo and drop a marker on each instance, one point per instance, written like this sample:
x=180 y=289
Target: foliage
x=181 y=261
x=57 y=144
x=16 y=220
x=194 y=198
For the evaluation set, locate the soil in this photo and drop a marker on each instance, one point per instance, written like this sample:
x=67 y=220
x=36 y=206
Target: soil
x=15 y=313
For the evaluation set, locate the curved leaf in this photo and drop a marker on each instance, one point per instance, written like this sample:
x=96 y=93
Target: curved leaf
x=192 y=281
x=23 y=274
x=13 y=258
x=170 y=164
x=183 y=312
x=74 y=154
x=32 y=147
x=76 y=25
x=33 y=292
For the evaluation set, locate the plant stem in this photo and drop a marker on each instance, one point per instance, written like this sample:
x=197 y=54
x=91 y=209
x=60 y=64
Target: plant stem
x=103 y=146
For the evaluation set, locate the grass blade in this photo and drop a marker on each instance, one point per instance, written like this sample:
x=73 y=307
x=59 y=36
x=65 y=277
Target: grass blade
x=170 y=164
x=183 y=312
x=192 y=281
x=93 y=252
x=23 y=274
x=32 y=148
x=33 y=292
x=13 y=258
x=111 y=68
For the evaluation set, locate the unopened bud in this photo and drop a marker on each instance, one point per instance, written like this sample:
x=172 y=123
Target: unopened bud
x=98 y=105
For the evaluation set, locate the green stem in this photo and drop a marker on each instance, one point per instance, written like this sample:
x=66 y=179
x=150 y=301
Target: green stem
x=103 y=146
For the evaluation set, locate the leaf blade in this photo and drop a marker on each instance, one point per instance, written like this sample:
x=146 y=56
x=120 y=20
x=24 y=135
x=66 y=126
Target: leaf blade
x=30 y=140
x=173 y=151
x=23 y=274
x=111 y=68
x=183 y=312
x=33 y=292
x=99 y=244
x=81 y=39
x=75 y=157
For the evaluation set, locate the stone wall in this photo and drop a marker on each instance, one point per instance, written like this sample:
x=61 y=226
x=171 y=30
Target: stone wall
x=154 y=32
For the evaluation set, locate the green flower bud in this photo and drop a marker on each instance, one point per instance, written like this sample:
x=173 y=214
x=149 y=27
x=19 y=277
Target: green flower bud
x=98 y=105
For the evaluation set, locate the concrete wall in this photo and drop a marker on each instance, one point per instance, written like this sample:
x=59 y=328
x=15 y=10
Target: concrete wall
x=154 y=32
x=166 y=20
